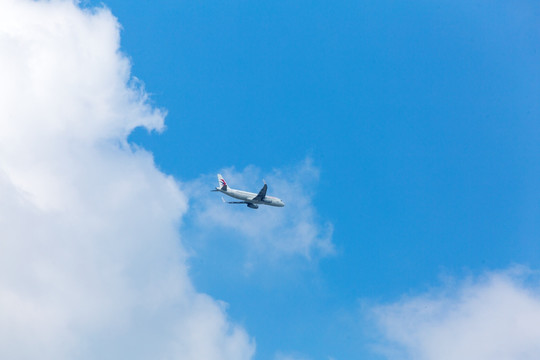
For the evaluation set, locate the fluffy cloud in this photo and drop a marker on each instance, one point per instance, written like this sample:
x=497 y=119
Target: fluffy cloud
x=495 y=317
x=292 y=230
x=91 y=265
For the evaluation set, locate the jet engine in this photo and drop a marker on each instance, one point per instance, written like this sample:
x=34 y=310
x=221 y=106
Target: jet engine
x=253 y=206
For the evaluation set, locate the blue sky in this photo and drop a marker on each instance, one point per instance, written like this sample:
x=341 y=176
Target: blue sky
x=421 y=118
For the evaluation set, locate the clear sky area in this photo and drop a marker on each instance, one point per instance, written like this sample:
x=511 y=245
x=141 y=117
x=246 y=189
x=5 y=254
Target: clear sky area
x=420 y=116
x=403 y=137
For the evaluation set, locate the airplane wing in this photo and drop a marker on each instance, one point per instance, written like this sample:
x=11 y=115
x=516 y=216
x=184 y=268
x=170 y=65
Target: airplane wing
x=261 y=193
x=233 y=202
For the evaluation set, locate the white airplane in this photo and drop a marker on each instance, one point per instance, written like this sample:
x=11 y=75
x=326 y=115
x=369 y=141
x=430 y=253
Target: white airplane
x=251 y=199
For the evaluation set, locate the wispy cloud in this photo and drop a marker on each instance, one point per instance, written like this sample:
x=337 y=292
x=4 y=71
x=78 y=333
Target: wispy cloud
x=91 y=265
x=296 y=229
x=493 y=317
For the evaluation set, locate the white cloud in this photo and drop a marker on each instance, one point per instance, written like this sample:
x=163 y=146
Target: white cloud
x=496 y=317
x=91 y=265
x=292 y=230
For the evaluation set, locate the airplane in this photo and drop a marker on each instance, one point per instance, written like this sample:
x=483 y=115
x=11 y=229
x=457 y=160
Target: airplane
x=252 y=200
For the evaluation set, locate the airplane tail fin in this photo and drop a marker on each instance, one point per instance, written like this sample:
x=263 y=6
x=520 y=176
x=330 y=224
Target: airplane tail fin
x=222 y=183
